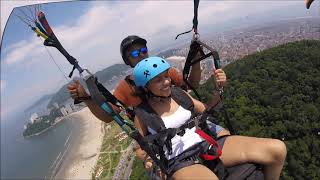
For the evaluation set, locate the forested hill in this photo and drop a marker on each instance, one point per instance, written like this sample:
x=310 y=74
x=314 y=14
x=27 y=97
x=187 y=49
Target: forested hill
x=276 y=93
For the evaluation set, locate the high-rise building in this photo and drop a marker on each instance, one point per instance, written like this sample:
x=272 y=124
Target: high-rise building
x=56 y=105
x=33 y=117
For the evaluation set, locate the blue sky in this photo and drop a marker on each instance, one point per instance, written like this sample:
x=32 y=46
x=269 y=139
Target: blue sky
x=92 y=32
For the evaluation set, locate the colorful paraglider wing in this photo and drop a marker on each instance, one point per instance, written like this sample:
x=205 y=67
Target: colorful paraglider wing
x=99 y=94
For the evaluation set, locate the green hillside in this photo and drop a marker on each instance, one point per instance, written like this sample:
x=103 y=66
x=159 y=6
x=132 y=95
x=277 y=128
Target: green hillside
x=276 y=93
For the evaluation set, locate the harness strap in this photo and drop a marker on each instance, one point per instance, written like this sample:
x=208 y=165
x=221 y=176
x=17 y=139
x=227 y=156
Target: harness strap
x=209 y=139
x=113 y=100
x=195 y=19
x=194 y=49
x=191 y=60
x=129 y=81
x=81 y=99
x=182 y=99
x=149 y=148
x=71 y=73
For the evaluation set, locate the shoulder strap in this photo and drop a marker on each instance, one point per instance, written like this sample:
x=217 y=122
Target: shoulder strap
x=149 y=117
x=181 y=97
x=129 y=81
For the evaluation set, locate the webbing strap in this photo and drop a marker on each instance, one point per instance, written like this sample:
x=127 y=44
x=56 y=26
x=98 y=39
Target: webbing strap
x=113 y=100
x=194 y=49
x=210 y=140
x=195 y=19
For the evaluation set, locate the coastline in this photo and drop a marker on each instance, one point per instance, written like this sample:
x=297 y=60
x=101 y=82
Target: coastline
x=82 y=157
x=45 y=130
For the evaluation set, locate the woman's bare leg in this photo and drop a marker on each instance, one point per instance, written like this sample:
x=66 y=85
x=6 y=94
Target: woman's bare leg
x=196 y=171
x=268 y=152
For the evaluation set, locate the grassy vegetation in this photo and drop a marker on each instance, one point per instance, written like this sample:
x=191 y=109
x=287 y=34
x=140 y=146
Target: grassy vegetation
x=110 y=153
x=138 y=171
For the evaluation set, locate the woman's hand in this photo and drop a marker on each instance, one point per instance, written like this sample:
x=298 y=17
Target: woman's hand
x=221 y=77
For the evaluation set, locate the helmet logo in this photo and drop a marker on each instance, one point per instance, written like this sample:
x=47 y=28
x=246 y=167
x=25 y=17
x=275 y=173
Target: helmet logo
x=146 y=73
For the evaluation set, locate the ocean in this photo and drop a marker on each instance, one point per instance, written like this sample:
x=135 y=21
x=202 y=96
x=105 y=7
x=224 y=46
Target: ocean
x=37 y=157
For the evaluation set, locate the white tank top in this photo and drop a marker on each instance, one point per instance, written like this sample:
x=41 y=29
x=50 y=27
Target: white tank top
x=180 y=143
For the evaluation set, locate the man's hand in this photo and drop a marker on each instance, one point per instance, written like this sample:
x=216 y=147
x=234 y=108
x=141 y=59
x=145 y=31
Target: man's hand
x=221 y=77
x=76 y=90
x=148 y=163
x=308 y=3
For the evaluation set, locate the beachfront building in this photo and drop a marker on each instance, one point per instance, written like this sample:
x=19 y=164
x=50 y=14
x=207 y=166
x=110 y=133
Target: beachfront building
x=66 y=109
x=63 y=111
x=33 y=117
x=73 y=107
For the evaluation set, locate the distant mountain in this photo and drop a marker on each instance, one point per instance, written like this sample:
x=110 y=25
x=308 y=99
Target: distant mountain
x=167 y=53
x=42 y=102
x=108 y=77
x=112 y=73
x=62 y=95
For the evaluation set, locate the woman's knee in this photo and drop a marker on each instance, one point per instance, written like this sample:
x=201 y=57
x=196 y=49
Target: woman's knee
x=278 y=151
x=240 y=149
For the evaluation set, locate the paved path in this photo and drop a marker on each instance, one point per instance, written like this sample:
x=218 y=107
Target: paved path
x=122 y=168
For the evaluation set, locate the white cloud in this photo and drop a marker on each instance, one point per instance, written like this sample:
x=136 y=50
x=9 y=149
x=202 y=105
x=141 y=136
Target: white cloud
x=22 y=51
x=102 y=27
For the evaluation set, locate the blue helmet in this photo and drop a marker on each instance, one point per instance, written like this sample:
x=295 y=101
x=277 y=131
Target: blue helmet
x=149 y=68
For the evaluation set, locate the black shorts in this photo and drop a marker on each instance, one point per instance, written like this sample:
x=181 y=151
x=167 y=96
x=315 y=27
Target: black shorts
x=179 y=163
x=221 y=140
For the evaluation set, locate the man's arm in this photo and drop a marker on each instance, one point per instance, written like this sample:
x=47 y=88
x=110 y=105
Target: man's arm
x=308 y=3
x=97 y=111
x=76 y=90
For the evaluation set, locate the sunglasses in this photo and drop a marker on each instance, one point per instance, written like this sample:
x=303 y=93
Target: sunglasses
x=136 y=53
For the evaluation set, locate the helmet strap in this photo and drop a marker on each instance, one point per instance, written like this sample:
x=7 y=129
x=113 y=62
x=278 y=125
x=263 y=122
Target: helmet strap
x=151 y=95
x=128 y=62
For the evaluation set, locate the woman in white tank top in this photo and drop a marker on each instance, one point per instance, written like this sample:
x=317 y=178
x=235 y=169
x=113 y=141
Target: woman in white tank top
x=151 y=74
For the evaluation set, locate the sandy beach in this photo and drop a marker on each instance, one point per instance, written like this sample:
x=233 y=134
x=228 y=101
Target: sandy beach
x=81 y=159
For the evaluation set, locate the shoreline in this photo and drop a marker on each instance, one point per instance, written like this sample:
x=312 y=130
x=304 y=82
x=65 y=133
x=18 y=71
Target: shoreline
x=82 y=157
x=45 y=130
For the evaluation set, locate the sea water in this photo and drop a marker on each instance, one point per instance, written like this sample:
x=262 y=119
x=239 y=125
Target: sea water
x=37 y=157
